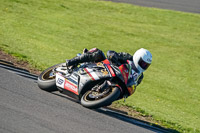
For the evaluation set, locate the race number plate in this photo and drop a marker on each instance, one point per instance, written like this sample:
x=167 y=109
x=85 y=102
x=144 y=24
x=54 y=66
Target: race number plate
x=60 y=81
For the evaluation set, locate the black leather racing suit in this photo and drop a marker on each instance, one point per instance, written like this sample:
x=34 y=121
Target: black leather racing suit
x=96 y=55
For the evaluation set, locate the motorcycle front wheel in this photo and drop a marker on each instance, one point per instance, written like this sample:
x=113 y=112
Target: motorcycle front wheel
x=46 y=80
x=88 y=100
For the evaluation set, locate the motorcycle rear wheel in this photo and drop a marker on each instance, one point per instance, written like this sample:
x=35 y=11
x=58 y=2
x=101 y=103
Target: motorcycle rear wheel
x=46 y=80
x=104 y=101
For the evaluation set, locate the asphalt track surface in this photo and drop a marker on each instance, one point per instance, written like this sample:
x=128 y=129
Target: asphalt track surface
x=24 y=108
x=179 y=5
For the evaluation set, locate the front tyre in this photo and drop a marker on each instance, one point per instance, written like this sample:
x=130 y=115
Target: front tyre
x=47 y=79
x=89 y=100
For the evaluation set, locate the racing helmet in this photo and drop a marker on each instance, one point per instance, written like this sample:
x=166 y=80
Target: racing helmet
x=142 y=59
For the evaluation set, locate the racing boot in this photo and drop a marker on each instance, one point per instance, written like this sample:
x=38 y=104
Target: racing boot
x=88 y=56
x=78 y=59
x=73 y=61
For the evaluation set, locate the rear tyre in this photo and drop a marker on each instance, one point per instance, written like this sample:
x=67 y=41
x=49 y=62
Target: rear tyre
x=93 y=103
x=46 y=80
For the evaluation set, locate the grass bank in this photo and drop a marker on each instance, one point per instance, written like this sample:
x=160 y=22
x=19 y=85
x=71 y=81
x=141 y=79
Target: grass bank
x=47 y=32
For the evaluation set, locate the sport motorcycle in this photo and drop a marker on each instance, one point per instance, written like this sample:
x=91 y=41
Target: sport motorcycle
x=93 y=84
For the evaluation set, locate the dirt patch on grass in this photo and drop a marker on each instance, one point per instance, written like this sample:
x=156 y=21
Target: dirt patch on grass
x=18 y=63
x=132 y=113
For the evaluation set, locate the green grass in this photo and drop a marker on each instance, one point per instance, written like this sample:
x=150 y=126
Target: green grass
x=47 y=32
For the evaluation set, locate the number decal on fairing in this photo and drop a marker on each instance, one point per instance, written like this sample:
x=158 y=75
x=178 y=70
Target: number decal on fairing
x=60 y=81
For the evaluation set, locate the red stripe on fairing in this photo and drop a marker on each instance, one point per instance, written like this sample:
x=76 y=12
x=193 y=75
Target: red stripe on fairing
x=89 y=73
x=106 y=61
x=69 y=86
x=111 y=70
x=124 y=72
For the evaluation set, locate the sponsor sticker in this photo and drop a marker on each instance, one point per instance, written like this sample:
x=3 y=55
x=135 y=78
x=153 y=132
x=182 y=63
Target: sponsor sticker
x=65 y=84
x=69 y=86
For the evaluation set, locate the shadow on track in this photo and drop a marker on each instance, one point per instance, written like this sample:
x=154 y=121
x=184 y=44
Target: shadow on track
x=117 y=114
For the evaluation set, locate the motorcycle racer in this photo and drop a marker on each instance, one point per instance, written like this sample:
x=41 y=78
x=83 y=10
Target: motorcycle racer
x=137 y=63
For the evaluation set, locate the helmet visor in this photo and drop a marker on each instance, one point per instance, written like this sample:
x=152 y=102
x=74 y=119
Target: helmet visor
x=144 y=65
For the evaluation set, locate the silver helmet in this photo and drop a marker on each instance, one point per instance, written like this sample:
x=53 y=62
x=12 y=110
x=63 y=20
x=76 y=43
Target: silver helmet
x=142 y=59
